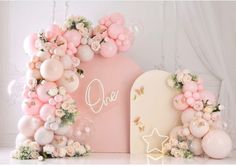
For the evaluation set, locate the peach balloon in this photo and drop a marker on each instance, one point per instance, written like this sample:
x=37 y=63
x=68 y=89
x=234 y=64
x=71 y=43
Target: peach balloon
x=196 y=147
x=31 y=106
x=27 y=125
x=51 y=69
x=115 y=30
x=29 y=44
x=46 y=110
x=179 y=102
x=199 y=127
x=217 y=144
x=43 y=136
x=190 y=86
x=42 y=90
x=85 y=53
x=187 y=115
x=73 y=36
x=69 y=80
x=108 y=49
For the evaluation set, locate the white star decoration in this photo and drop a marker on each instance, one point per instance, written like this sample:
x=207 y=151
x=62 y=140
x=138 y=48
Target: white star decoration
x=152 y=149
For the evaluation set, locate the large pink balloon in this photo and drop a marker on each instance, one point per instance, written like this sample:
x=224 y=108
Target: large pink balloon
x=208 y=96
x=190 y=86
x=46 y=110
x=108 y=49
x=73 y=36
x=42 y=90
x=29 y=44
x=179 y=102
x=43 y=136
x=27 y=125
x=31 y=106
x=187 y=115
x=217 y=144
x=51 y=69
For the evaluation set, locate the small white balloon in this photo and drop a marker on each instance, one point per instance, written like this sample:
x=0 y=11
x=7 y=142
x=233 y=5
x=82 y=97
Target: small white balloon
x=43 y=136
x=85 y=53
x=69 y=80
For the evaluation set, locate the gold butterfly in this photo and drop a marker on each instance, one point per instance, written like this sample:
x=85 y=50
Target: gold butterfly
x=139 y=92
x=139 y=124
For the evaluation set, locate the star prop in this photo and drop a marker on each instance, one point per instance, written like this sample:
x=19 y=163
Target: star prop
x=155 y=132
x=154 y=157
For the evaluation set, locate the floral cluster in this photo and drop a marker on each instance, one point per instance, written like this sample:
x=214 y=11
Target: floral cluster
x=200 y=114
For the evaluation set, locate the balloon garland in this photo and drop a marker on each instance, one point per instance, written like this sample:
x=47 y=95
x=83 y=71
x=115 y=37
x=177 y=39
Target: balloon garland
x=46 y=129
x=202 y=130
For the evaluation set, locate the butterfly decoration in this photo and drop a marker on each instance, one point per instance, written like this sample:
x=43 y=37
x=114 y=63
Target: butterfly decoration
x=137 y=121
x=138 y=92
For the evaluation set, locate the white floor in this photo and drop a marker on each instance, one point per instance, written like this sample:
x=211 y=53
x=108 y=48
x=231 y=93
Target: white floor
x=116 y=158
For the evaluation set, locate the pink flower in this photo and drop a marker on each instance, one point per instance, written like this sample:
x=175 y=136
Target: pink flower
x=95 y=46
x=198 y=105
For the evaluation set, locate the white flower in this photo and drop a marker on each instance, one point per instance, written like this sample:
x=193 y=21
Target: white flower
x=88 y=147
x=35 y=146
x=61 y=152
x=81 y=150
x=79 y=26
x=208 y=109
x=49 y=149
x=53 y=92
x=180 y=77
x=173 y=142
x=221 y=107
x=76 y=146
x=173 y=150
x=59 y=113
x=84 y=40
x=62 y=91
x=186 y=78
x=65 y=105
x=26 y=142
x=70 y=151
x=70 y=142
x=179 y=153
x=171 y=82
x=95 y=45
x=40 y=158
x=183 y=145
x=34 y=154
x=72 y=109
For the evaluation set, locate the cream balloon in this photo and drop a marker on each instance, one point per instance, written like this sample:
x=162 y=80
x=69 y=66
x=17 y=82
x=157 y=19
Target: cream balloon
x=196 y=147
x=20 y=139
x=63 y=130
x=199 y=127
x=217 y=144
x=43 y=136
x=85 y=53
x=43 y=55
x=51 y=69
x=69 y=80
x=33 y=74
x=27 y=125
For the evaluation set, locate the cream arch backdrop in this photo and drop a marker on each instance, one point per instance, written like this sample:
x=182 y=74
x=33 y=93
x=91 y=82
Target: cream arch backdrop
x=162 y=42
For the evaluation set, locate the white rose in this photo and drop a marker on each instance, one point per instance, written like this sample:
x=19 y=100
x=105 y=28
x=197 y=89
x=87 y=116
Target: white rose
x=62 y=91
x=70 y=151
x=53 y=92
x=171 y=82
x=34 y=154
x=49 y=149
x=70 y=142
x=61 y=152
x=81 y=150
x=180 y=77
x=186 y=78
x=221 y=107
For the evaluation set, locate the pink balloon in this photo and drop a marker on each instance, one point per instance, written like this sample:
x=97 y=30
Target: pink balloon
x=53 y=31
x=187 y=115
x=217 y=144
x=196 y=96
x=29 y=44
x=125 y=45
x=179 y=102
x=108 y=49
x=42 y=90
x=46 y=110
x=187 y=94
x=31 y=106
x=190 y=86
x=73 y=36
x=200 y=87
x=190 y=101
x=117 y=18
x=115 y=30
x=208 y=96
x=43 y=136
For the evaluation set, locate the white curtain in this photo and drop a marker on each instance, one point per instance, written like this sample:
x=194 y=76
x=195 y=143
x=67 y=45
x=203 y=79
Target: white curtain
x=201 y=26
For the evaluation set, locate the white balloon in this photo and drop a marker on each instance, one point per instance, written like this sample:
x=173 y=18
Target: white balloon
x=33 y=73
x=67 y=62
x=63 y=130
x=69 y=80
x=43 y=136
x=43 y=55
x=27 y=125
x=20 y=139
x=51 y=69
x=85 y=53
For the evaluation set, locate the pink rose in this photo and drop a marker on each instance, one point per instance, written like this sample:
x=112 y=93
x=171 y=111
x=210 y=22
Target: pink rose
x=198 y=105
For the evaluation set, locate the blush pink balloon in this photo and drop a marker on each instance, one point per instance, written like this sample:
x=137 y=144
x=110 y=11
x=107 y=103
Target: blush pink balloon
x=53 y=31
x=43 y=136
x=42 y=90
x=29 y=44
x=190 y=86
x=179 y=102
x=187 y=94
x=208 y=96
x=46 y=110
x=217 y=144
x=199 y=127
x=196 y=96
x=31 y=106
x=187 y=115
x=108 y=49
x=190 y=101
x=115 y=30
x=72 y=36
x=200 y=87
x=117 y=18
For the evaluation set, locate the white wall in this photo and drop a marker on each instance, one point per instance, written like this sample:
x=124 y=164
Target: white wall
x=158 y=32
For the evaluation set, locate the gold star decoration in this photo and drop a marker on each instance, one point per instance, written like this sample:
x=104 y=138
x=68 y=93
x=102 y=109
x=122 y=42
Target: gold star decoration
x=154 y=133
